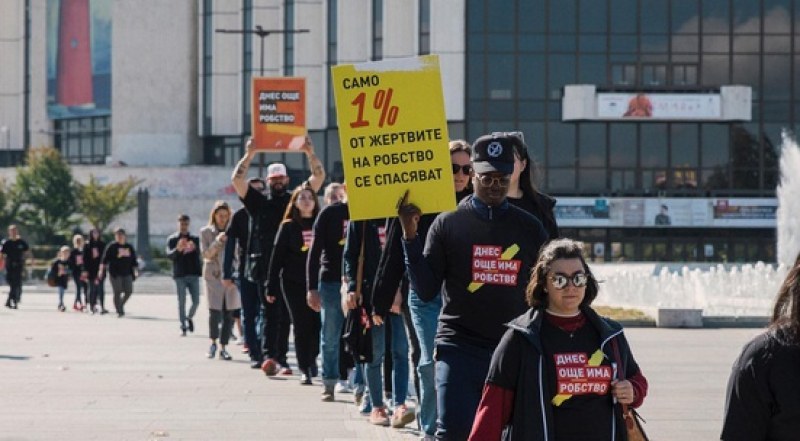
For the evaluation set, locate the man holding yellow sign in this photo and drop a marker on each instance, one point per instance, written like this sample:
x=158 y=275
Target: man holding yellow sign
x=393 y=133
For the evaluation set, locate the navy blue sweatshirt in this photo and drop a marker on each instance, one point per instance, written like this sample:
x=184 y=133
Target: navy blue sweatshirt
x=484 y=256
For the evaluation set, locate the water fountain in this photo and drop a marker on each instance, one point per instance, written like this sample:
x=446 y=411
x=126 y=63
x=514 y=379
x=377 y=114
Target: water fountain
x=730 y=291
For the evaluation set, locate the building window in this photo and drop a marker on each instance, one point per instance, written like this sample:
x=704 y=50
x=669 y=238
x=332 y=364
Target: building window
x=333 y=30
x=84 y=140
x=424 y=27
x=288 y=39
x=377 y=30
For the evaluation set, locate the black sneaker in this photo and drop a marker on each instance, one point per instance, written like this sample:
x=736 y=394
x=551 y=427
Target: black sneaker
x=305 y=380
x=183 y=331
x=190 y=324
x=255 y=364
x=224 y=355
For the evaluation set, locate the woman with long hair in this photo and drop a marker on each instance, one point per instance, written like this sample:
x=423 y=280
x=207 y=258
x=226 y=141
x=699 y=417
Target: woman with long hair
x=92 y=256
x=522 y=191
x=287 y=276
x=222 y=298
x=763 y=399
x=560 y=371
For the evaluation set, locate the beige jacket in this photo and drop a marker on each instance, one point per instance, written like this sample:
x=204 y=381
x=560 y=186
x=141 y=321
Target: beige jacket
x=213 y=252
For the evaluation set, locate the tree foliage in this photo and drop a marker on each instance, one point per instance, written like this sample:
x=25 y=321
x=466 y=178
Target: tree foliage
x=9 y=205
x=100 y=204
x=46 y=195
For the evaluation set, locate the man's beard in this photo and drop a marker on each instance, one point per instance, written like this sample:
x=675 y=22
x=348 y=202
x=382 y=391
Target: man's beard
x=277 y=190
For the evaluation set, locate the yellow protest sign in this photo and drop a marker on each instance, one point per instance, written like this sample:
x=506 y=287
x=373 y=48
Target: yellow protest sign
x=393 y=135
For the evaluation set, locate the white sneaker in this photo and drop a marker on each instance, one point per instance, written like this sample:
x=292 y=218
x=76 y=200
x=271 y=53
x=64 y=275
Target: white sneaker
x=343 y=388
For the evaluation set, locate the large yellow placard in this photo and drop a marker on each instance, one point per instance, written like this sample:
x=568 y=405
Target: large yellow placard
x=393 y=135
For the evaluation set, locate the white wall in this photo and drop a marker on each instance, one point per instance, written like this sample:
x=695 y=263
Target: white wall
x=154 y=93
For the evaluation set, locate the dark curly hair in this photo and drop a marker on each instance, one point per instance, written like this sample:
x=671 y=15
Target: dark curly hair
x=536 y=293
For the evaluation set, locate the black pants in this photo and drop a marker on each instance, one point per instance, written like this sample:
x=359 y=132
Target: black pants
x=14 y=279
x=413 y=344
x=80 y=286
x=96 y=293
x=219 y=325
x=307 y=326
x=276 y=329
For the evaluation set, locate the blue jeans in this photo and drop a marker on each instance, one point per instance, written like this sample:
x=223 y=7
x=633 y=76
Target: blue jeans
x=461 y=371
x=251 y=310
x=192 y=283
x=332 y=321
x=374 y=369
x=425 y=318
x=61 y=290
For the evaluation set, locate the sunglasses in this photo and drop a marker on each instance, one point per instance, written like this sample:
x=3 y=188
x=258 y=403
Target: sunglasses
x=466 y=169
x=488 y=181
x=560 y=281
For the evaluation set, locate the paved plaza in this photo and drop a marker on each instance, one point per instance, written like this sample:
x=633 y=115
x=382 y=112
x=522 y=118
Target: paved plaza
x=74 y=376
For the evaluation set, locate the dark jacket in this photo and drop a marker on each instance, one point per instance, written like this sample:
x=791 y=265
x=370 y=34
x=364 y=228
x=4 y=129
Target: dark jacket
x=517 y=365
x=763 y=398
x=372 y=253
x=238 y=233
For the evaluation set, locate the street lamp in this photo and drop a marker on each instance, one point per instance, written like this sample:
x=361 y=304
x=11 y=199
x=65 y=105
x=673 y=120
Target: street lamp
x=261 y=33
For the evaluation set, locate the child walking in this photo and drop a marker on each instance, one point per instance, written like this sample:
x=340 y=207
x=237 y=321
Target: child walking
x=60 y=271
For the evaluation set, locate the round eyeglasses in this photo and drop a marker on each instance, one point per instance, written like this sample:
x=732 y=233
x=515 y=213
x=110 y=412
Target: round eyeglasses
x=578 y=280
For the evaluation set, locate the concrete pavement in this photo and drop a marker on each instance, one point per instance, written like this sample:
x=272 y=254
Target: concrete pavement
x=74 y=376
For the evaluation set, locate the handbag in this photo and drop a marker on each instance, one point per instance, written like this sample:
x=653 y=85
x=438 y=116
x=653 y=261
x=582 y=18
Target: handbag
x=357 y=334
x=50 y=277
x=633 y=421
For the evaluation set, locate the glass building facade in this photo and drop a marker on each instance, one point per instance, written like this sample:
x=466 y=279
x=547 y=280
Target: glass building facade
x=522 y=53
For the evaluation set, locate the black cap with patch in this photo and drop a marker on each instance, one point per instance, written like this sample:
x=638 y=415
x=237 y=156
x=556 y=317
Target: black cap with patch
x=493 y=153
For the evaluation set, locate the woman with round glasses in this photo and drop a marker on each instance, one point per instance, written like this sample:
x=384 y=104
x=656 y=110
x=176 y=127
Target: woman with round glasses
x=560 y=371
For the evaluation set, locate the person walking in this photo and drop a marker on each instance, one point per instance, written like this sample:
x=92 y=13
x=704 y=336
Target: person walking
x=236 y=249
x=12 y=253
x=183 y=248
x=423 y=316
x=287 y=277
x=222 y=298
x=324 y=281
x=266 y=212
x=119 y=259
x=479 y=256
x=92 y=256
x=59 y=273
x=78 y=274
x=762 y=396
x=560 y=371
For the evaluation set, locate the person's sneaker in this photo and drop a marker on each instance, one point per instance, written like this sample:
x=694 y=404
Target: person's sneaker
x=76 y=307
x=245 y=349
x=255 y=364
x=305 y=380
x=343 y=388
x=402 y=416
x=190 y=325
x=212 y=350
x=270 y=367
x=104 y=311
x=358 y=397
x=285 y=370
x=327 y=394
x=183 y=331
x=365 y=408
x=62 y=308
x=378 y=417
x=224 y=355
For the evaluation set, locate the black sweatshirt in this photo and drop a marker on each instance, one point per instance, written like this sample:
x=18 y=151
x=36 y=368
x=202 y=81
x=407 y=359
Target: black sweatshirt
x=484 y=256
x=267 y=212
x=60 y=270
x=540 y=206
x=238 y=231
x=76 y=262
x=92 y=255
x=289 y=254
x=374 y=239
x=120 y=259
x=325 y=256
x=187 y=262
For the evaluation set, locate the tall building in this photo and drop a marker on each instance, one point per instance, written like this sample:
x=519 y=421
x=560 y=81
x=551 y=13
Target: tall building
x=689 y=174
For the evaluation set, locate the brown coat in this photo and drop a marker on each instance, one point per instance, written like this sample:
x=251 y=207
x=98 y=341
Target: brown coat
x=213 y=252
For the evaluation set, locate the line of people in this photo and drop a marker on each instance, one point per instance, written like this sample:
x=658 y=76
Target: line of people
x=463 y=296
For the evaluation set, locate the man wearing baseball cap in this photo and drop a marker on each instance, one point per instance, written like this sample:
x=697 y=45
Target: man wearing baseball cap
x=480 y=256
x=266 y=212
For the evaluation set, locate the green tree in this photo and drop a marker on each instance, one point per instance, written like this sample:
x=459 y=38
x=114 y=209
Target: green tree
x=45 y=192
x=101 y=204
x=9 y=205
